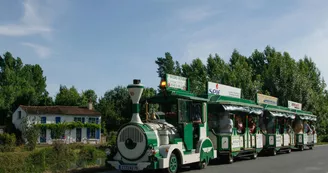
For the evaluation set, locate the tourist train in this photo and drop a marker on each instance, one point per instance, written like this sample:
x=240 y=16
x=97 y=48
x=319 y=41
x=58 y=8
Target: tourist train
x=190 y=129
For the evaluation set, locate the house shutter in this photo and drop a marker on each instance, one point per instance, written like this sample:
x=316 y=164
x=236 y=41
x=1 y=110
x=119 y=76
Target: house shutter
x=97 y=120
x=83 y=120
x=57 y=120
x=97 y=134
x=43 y=120
x=88 y=133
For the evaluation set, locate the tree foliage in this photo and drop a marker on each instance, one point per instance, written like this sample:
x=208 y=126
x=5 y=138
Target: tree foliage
x=19 y=84
x=269 y=72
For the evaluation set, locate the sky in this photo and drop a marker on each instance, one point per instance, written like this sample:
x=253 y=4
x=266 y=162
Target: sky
x=105 y=43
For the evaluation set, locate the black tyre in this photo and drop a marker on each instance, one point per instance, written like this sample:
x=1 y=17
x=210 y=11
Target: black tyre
x=173 y=164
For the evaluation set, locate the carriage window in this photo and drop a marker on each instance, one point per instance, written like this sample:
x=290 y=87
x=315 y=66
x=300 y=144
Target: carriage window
x=213 y=118
x=169 y=109
x=184 y=109
x=196 y=112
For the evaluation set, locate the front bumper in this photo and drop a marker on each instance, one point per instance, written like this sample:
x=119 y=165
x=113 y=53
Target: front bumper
x=131 y=167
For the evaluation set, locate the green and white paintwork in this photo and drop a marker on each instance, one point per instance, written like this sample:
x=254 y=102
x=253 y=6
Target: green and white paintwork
x=135 y=92
x=303 y=139
x=157 y=144
x=275 y=142
x=235 y=144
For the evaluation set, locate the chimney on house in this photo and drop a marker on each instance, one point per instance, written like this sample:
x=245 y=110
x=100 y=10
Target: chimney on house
x=90 y=104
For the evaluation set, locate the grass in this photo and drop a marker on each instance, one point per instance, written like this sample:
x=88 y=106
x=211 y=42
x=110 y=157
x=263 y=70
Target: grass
x=322 y=143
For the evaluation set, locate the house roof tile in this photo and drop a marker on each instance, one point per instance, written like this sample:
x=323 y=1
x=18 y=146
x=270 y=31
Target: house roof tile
x=59 y=110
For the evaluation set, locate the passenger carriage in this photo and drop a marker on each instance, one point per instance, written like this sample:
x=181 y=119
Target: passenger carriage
x=278 y=136
x=305 y=135
x=226 y=111
x=176 y=135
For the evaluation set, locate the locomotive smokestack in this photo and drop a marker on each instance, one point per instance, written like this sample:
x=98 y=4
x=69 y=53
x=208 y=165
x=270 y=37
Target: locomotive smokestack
x=135 y=91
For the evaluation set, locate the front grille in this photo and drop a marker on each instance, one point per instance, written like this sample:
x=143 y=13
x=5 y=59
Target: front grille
x=133 y=133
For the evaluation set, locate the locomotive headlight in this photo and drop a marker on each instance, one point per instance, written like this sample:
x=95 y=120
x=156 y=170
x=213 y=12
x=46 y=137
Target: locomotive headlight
x=163 y=84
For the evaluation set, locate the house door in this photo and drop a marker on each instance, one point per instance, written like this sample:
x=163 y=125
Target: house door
x=78 y=134
x=43 y=135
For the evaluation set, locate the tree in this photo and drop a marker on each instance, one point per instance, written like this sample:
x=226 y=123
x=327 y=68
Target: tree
x=241 y=76
x=67 y=96
x=86 y=96
x=30 y=133
x=217 y=69
x=197 y=74
x=165 y=65
x=46 y=100
x=19 y=84
x=269 y=72
x=115 y=107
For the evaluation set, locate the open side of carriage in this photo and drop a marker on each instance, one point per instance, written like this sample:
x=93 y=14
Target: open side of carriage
x=278 y=136
x=276 y=128
x=304 y=126
x=233 y=123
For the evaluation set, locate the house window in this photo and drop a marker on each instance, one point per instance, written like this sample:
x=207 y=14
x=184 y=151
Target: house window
x=92 y=133
x=43 y=120
x=19 y=114
x=92 y=120
x=79 y=119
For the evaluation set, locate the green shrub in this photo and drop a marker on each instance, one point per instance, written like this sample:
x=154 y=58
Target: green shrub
x=111 y=138
x=7 y=142
x=60 y=158
x=323 y=138
x=36 y=162
x=12 y=162
x=76 y=146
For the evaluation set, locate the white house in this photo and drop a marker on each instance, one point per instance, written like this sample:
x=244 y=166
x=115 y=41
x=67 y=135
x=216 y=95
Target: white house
x=57 y=114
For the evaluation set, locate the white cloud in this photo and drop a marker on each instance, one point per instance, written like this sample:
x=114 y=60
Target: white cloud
x=36 y=19
x=41 y=51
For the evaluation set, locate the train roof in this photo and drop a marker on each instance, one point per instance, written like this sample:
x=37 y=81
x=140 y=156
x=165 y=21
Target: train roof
x=279 y=111
x=235 y=104
x=173 y=95
x=305 y=115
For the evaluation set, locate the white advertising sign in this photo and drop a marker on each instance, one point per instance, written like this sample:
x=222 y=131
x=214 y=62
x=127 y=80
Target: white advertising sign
x=294 y=105
x=265 y=99
x=223 y=90
x=177 y=82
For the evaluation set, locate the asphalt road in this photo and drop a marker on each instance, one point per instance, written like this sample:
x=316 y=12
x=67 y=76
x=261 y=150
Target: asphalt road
x=307 y=161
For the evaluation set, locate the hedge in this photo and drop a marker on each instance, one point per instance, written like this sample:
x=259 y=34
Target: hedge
x=323 y=138
x=7 y=142
x=58 y=158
